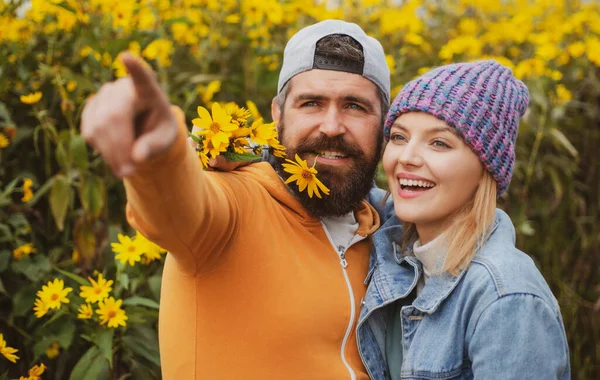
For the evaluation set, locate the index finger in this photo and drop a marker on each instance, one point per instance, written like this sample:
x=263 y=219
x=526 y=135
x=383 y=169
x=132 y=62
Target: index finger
x=144 y=80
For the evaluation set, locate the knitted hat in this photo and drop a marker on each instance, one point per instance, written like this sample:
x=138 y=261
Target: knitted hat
x=482 y=100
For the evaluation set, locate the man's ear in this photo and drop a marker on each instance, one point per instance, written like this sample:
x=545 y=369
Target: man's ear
x=275 y=111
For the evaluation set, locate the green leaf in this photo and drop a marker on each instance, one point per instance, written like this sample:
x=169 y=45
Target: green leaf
x=562 y=141
x=59 y=313
x=5 y=233
x=141 y=301
x=195 y=138
x=41 y=192
x=124 y=281
x=62 y=156
x=183 y=20
x=240 y=157
x=154 y=284
x=142 y=344
x=33 y=267
x=92 y=193
x=2 y=288
x=4 y=376
x=79 y=152
x=23 y=301
x=66 y=6
x=92 y=365
x=5 y=114
x=78 y=279
x=104 y=341
x=5 y=255
x=60 y=196
x=19 y=224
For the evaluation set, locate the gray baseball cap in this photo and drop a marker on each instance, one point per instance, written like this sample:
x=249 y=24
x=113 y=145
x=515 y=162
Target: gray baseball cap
x=299 y=54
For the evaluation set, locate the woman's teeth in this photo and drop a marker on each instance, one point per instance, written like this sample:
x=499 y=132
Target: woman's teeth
x=415 y=183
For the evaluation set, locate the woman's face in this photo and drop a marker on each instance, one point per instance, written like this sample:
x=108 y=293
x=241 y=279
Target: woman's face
x=430 y=170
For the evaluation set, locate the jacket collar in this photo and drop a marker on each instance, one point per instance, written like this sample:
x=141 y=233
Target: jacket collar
x=398 y=272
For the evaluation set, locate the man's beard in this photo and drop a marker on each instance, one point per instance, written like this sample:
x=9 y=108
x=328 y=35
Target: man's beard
x=348 y=185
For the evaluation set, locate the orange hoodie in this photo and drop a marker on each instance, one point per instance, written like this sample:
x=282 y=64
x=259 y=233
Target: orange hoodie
x=252 y=288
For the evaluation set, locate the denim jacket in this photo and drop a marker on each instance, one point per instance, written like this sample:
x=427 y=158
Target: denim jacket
x=496 y=320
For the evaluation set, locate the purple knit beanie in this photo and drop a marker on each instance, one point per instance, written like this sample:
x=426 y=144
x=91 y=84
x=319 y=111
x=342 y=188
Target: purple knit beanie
x=482 y=100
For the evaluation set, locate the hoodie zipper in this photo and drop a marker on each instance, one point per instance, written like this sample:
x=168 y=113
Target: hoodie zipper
x=341 y=251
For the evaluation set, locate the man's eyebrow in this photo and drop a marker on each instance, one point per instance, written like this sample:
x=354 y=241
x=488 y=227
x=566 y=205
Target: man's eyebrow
x=359 y=99
x=348 y=98
x=309 y=96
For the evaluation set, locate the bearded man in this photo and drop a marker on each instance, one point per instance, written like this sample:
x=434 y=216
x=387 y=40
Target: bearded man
x=261 y=281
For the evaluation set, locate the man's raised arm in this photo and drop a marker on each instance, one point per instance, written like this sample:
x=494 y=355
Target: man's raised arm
x=143 y=140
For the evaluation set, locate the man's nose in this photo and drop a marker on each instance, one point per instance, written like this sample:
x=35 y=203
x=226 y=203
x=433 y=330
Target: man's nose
x=332 y=124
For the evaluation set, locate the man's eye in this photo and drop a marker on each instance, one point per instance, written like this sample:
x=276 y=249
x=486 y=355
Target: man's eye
x=355 y=106
x=311 y=103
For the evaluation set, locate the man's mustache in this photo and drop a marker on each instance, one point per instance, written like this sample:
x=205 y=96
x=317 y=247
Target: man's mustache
x=337 y=144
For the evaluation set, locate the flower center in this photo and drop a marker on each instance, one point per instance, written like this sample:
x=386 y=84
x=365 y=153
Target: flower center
x=97 y=290
x=111 y=314
x=307 y=175
x=54 y=297
x=131 y=248
x=215 y=127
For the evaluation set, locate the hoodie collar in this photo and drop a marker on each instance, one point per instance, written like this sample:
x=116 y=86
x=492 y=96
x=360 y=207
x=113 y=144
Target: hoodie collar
x=366 y=216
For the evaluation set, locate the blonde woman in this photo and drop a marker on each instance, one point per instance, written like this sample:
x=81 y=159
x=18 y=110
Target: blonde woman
x=449 y=296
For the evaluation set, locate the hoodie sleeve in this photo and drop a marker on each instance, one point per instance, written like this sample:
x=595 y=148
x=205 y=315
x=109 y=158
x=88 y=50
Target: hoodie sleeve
x=177 y=205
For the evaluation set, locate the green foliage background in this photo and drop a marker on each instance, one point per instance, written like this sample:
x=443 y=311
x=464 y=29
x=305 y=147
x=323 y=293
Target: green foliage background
x=209 y=50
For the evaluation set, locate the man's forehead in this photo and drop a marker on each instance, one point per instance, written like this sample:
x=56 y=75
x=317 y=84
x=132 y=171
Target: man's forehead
x=328 y=83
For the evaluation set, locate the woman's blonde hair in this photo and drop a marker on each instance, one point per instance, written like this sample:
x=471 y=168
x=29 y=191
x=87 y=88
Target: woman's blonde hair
x=469 y=227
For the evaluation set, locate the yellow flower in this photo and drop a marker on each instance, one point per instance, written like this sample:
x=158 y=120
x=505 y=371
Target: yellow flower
x=110 y=311
x=54 y=294
x=216 y=129
x=75 y=256
x=203 y=159
x=304 y=176
x=126 y=249
x=31 y=98
x=160 y=50
x=253 y=110
x=4 y=141
x=278 y=150
x=208 y=92
x=98 y=291
x=239 y=115
x=8 y=352
x=119 y=66
x=261 y=133
x=27 y=193
x=23 y=250
x=51 y=352
x=35 y=372
x=71 y=85
x=40 y=308
x=150 y=249
x=85 y=311
x=563 y=95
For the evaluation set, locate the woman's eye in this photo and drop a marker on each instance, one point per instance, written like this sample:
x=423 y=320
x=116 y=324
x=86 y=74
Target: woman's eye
x=396 y=137
x=440 y=144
